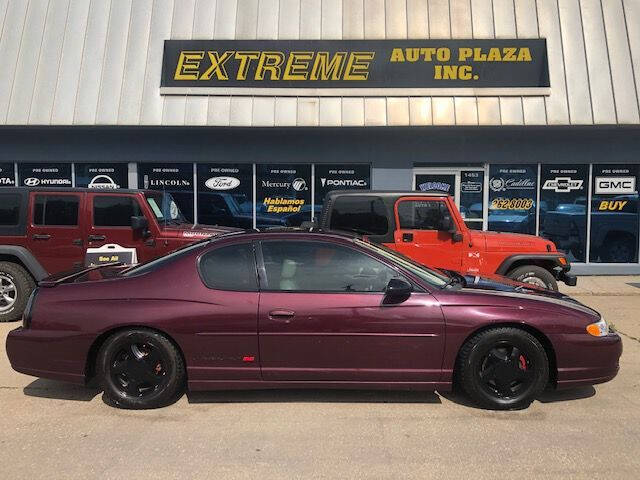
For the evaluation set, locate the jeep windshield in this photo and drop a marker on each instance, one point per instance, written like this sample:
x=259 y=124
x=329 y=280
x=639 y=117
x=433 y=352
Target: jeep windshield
x=165 y=208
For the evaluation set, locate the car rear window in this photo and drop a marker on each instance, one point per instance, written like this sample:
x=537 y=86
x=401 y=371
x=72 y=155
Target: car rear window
x=230 y=268
x=61 y=210
x=366 y=215
x=9 y=209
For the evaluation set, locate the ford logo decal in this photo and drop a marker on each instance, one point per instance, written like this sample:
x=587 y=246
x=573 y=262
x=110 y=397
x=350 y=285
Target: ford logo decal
x=222 y=183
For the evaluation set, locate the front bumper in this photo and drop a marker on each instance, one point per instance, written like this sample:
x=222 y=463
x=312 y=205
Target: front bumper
x=586 y=360
x=568 y=278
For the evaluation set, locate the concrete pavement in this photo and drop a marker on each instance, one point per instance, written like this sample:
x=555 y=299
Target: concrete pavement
x=53 y=430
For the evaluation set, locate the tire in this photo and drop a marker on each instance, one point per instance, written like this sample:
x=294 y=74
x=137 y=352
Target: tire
x=535 y=275
x=140 y=369
x=16 y=285
x=503 y=368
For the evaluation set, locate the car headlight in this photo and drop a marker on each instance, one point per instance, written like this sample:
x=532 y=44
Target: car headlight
x=599 y=328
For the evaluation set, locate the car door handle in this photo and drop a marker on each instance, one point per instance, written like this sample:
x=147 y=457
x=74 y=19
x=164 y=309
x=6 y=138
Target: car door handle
x=41 y=236
x=96 y=238
x=281 y=315
x=407 y=237
x=77 y=241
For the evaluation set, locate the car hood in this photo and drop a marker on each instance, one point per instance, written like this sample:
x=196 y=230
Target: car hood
x=491 y=286
x=511 y=242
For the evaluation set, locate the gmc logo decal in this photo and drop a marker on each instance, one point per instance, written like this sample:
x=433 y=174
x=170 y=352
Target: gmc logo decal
x=615 y=185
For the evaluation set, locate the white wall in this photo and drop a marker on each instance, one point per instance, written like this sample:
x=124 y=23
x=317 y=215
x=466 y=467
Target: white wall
x=98 y=62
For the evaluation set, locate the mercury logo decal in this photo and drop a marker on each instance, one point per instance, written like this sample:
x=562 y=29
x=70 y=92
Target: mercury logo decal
x=222 y=183
x=299 y=184
x=563 y=184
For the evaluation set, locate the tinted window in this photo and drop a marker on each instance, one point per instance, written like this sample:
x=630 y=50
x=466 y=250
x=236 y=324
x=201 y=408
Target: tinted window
x=365 y=215
x=112 y=211
x=322 y=267
x=421 y=215
x=56 y=210
x=512 y=198
x=9 y=209
x=230 y=268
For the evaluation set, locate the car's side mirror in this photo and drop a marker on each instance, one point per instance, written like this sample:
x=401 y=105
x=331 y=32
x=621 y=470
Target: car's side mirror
x=446 y=224
x=456 y=237
x=397 y=291
x=140 y=224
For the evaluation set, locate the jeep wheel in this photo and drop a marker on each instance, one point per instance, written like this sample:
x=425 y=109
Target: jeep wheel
x=534 y=275
x=15 y=287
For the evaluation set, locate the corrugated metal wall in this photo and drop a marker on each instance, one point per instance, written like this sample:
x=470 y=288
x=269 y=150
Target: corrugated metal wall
x=98 y=62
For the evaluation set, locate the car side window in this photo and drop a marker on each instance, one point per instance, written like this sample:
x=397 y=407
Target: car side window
x=230 y=268
x=58 y=210
x=9 y=209
x=307 y=266
x=362 y=214
x=114 y=211
x=421 y=214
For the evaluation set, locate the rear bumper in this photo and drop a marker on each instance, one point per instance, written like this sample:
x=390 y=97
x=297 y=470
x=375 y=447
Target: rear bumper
x=45 y=354
x=586 y=360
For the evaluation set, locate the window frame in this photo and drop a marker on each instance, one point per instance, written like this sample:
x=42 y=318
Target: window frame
x=262 y=271
x=32 y=210
x=425 y=199
x=92 y=200
x=199 y=267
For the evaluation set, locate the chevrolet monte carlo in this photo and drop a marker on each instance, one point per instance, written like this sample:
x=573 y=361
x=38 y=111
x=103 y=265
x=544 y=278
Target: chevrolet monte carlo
x=302 y=309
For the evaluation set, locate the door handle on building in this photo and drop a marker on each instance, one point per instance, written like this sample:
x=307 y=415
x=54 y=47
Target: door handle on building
x=41 y=236
x=96 y=238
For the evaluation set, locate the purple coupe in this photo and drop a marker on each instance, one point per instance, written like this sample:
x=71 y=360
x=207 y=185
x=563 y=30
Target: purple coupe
x=298 y=309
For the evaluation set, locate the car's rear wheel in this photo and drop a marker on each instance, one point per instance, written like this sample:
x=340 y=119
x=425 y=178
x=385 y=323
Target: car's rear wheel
x=503 y=368
x=140 y=368
x=15 y=287
x=534 y=275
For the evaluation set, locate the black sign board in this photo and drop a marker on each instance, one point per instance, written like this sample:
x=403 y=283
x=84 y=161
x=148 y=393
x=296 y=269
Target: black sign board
x=512 y=198
x=346 y=67
x=225 y=194
x=339 y=177
x=283 y=195
x=101 y=176
x=7 y=175
x=44 y=174
x=175 y=178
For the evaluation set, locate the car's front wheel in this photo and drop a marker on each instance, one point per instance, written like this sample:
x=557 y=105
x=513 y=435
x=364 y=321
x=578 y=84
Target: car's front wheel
x=503 y=368
x=140 y=368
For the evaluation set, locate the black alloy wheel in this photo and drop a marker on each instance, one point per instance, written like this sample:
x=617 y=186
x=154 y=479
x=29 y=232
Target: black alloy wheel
x=505 y=371
x=503 y=368
x=140 y=369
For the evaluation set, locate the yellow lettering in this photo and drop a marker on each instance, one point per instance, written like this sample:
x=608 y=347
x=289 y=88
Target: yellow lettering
x=464 y=53
x=269 y=62
x=437 y=72
x=324 y=69
x=509 y=54
x=397 y=55
x=358 y=65
x=412 y=54
x=524 y=55
x=188 y=65
x=245 y=60
x=478 y=56
x=427 y=53
x=494 y=55
x=464 y=72
x=297 y=66
x=217 y=65
x=443 y=54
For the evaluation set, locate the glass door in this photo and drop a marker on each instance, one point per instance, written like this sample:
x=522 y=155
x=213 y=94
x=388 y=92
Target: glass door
x=465 y=185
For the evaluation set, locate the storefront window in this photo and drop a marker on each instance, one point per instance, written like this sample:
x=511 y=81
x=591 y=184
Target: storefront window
x=225 y=195
x=471 y=198
x=512 y=198
x=283 y=195
x=614 y=214
x=7 y=175
x=44 y=174
x=339 y=177
x=563 y=208
x=174 y=178
x=106 y=177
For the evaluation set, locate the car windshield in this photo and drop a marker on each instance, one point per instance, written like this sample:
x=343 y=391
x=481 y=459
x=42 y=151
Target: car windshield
x=165 y=208
x=432 y=277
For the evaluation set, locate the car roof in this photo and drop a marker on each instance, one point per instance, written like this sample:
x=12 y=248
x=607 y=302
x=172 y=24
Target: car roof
x=293 y=232
x=385 y=193
x=77 y=189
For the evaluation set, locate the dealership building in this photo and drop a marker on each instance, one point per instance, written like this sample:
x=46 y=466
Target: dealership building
x=527 y=112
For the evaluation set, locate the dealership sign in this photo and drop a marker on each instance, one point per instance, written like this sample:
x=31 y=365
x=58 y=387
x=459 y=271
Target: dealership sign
x=562 y=184
x=615 y=185
x=355 y=67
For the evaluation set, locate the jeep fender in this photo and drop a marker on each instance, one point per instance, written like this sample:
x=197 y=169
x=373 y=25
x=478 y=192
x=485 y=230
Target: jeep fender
x=26 y=258
x=534 y=259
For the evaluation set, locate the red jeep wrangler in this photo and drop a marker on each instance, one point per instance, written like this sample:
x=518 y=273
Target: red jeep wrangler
x=429 y=228
x=48 y=230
